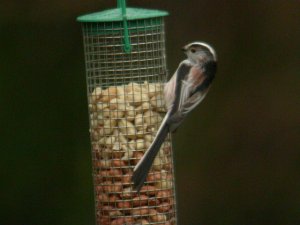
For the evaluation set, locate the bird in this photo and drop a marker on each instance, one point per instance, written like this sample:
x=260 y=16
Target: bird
x=182 y=93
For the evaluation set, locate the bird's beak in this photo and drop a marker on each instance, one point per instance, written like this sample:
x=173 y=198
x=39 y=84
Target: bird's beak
x=183 y=49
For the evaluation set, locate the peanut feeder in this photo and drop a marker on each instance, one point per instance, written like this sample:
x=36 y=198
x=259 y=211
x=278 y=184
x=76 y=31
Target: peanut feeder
x=125 y=72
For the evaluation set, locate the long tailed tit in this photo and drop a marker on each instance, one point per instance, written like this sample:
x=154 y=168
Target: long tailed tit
x=183 y=92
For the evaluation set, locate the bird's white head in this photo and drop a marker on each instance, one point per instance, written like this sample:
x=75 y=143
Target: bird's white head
x=200 y=52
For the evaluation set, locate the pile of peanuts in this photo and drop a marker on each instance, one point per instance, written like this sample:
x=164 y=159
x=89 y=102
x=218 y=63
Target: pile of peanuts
x=123 y=122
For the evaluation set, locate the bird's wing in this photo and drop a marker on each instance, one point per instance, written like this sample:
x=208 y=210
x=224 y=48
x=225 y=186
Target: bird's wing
x=193 y=101
x=181 y=87
x=194 y=79
x=201 y=78
x=169 y=91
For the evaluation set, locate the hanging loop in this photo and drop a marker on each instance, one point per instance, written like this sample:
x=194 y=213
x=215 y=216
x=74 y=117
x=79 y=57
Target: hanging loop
x=122 y=6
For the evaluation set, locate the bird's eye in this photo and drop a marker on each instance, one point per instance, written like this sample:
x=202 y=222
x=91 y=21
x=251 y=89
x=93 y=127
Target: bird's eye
x=193 y=50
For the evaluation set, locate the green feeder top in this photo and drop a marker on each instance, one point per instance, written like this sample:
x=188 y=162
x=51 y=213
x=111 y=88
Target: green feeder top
x=121 y=13
x=112 y=15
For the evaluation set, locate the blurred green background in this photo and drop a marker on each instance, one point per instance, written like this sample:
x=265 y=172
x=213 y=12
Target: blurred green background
x=237 y=156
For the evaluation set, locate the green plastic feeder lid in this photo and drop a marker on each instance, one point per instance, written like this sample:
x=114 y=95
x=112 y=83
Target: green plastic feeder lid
x=121 y=15
x=112 y=15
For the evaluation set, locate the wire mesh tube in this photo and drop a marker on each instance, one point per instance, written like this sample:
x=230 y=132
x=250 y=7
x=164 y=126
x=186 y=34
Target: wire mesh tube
x=126 y=107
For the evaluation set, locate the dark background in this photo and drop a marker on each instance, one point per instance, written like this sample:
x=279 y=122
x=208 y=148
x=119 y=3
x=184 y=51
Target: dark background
x=237 y=156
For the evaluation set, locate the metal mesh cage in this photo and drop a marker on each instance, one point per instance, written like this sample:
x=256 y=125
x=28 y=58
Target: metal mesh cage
x=106 y=62
x=126 y=107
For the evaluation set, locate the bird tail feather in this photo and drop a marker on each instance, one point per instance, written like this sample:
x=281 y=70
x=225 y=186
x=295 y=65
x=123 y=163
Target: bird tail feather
x=141 y=170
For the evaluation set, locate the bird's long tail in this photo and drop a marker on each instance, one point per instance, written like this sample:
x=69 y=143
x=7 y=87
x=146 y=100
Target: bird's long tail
x=141 y=170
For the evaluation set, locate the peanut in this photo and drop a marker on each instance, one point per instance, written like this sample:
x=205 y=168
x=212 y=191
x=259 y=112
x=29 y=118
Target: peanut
x=163 y=207
x=127 y=193
x=108 y=94
x=163 y=195
x=158 y=102
x=152 y=118
x=104 y=220
x=142 y=222
x=141 y=200
x=149 y=190
x=127 y=128
x=157 y=217
x=126 y=178
x=101 y=106
x=114 y=213
x=102 y=197
x=118 y=163
x=140 y=211
x=122 y=221
x=95 y=95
